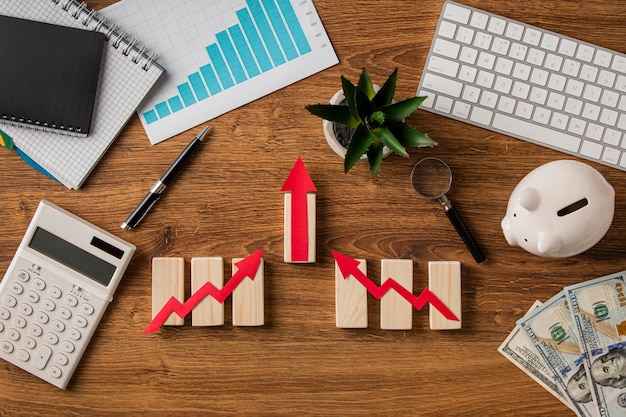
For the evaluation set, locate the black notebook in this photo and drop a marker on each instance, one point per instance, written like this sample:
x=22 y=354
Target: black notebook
x=49 y=75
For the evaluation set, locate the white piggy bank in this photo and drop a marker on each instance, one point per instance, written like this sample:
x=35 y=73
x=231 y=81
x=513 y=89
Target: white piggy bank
x=559 y=209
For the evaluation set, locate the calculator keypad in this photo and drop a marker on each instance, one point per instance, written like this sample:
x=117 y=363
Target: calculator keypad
x=45 y=322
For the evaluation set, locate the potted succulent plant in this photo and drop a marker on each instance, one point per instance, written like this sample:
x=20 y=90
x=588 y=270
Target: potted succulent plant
x=372 y=121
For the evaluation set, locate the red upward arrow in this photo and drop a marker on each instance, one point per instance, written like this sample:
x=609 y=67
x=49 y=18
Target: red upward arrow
x=247 y=267
x=349 y=266
x=299 y=183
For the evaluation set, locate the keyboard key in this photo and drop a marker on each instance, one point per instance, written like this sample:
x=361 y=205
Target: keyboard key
x=591 y=149
x=479 y=20
x=577 y=126
x=447 y=30
x=612 y=137
x=481 y=116
x=467 y=74
x=524 y=110
x=549 y=42
x=444 y=104
x=535 y=133
x=468 y=55
x=442 y=85
x=443 y=66
x=506 y=104
x=500 y=46
x=559 y=121
x=471 y=94
x=606 y=78
x=594 y=131
x=611 y=155
x=446 y=48
x=456 y=13
x=465 y=35
x=496 y=25
x=532 y=36
x=461 y=109
x=518 y=51
x=603 y=58
x=585 y=53
x=567 y=47
x=514 y=31
x=483 y=40
x=619 y=64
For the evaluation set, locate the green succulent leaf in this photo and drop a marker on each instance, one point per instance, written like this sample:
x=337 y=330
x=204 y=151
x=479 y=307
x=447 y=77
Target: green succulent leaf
x=377 y=118
x=364 y=106
x=365 y=84
x=384 y=96
x=408 y=136
x=348 y=92
x=396 y=112
x=387 y=138
x=361 y=140
x=375 y=157
x=334 y=113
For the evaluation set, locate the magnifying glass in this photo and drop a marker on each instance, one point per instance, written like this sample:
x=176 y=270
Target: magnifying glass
x=432 y=178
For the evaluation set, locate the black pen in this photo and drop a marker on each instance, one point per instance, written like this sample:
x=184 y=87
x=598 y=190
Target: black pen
x=157 y=189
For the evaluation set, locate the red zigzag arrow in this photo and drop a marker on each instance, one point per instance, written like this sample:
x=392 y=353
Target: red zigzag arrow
x=247 y=267
x=349 y=266
x=299 y=183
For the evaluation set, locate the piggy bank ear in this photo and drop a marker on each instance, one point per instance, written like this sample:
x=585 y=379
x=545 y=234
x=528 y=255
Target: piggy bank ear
x=508 y=233
x=549 y=244
x=529 y=199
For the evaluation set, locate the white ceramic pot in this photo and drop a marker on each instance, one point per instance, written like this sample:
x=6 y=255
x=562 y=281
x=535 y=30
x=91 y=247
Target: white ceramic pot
x=329 y=133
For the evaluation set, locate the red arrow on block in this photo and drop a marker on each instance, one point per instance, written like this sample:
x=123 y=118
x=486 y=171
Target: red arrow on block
x=349 y=266
x=247 y=267
x=299 y=183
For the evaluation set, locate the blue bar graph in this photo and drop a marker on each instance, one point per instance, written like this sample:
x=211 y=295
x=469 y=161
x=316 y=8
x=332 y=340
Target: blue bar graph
x=268 y=35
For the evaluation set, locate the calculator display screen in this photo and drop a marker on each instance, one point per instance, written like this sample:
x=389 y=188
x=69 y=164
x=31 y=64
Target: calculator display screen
x=72 y=256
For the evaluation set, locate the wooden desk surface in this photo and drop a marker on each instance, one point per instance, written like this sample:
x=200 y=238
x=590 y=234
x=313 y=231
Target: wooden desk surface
x=228 y=203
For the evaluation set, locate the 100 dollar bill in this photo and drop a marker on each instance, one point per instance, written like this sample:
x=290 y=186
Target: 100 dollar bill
x=518 y=349
x=551 y=330
x=598 y=309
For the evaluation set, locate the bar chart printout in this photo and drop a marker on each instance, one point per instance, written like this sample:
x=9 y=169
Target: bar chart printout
x=221 y=54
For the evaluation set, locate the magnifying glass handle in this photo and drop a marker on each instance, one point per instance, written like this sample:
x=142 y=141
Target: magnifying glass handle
x=458 y=224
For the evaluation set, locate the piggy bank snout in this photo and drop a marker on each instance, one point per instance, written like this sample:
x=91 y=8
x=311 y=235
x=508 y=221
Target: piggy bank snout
x=508 y=232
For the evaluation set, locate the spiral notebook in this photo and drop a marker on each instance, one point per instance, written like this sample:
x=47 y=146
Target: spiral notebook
x=127 y=74
x=44 y=85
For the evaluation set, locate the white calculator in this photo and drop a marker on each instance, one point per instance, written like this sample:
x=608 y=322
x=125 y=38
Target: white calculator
x=57 y=287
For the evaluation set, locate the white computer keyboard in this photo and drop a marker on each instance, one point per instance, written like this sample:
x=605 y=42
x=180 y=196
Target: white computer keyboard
x=527 y=82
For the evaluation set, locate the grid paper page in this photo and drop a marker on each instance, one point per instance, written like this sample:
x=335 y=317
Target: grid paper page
x=221 y=54
x=123 y=84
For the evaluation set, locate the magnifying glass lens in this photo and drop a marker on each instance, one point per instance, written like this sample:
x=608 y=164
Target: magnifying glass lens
x=431 y=178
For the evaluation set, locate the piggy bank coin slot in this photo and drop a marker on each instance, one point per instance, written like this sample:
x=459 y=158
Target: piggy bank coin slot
x=573 y=207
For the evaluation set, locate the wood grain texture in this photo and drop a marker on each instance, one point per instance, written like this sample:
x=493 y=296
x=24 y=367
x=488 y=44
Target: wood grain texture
x=396 y=313
x=168 y=280
x=209 y=311
x=350 y=300
x=228 y=203
x=444 y=281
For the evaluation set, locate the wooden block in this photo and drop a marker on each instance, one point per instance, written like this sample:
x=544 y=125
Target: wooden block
x=444 y=281
x=350 y=299
x=396 y=313
x=311 y=227
x=168 y=276
x=209 y=312
x=248 y=299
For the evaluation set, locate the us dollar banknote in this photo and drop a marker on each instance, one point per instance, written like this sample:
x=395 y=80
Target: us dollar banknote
x=598 y=309
x=551 y=330
x=518 y=349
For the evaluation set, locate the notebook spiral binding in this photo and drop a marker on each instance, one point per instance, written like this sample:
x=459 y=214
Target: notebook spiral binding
x=91 y=20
